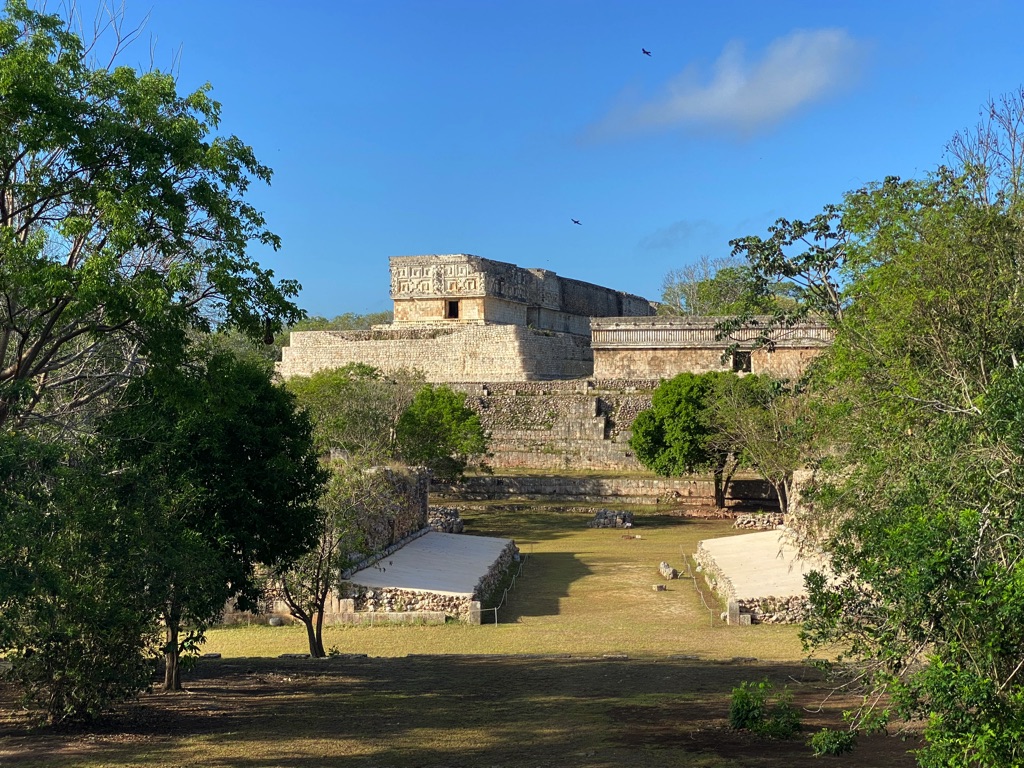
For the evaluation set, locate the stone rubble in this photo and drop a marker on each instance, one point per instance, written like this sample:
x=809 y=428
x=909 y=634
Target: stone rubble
x=667 y=571
x=760 y=521
x=445 y=520
x=611 y=518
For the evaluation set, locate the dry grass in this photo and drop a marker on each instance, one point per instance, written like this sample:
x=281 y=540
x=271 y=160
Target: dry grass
x=439 y=696
x=584 y=591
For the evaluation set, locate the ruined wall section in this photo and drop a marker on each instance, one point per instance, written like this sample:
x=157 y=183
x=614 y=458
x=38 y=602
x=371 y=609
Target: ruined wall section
x=558 y=425
x=465 y=353
x=661 y=347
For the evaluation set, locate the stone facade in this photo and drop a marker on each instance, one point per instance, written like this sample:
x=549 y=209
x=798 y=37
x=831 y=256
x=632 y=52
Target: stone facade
x=464 y=318
x=661 y=347
x=465 y=289
x=465 y=353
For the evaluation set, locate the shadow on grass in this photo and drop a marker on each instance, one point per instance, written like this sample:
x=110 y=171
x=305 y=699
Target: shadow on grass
x=450 y=711
x=544 y=580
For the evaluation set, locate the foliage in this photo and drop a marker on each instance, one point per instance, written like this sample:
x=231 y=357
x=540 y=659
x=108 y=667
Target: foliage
x=356 y=408
x=352 y=492
x=920 y=502
x=829 y=741
x=438 y=430
x=808 y=260
x=754 y=707
x=720 y=287
x=225 y=468
x=691 y=425
x=74 y=621
x=774 y=424
x=123 y=223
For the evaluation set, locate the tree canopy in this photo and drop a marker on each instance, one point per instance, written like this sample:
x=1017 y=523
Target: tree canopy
x=224 y=464
x=123 y=222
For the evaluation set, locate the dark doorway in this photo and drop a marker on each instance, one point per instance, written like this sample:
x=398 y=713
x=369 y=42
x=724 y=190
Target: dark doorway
x=452 y=312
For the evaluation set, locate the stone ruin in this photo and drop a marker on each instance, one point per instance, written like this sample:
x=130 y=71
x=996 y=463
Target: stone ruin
x=611 y=518
x=445 y=520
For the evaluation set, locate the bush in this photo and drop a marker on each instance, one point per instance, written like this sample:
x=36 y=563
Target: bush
x=754 y=708
x=830 y=742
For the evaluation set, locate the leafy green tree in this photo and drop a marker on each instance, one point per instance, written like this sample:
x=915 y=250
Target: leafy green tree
x=681 y=432
x=76 y=626
x=438 y=430
x=355 y=495
x=919 y=503
x=356 y=408
x=224 y=465
x=123 y=223
x=718 y=287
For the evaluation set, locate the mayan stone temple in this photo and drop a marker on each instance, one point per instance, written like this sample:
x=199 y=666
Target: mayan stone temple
x=462 y=318
x=465 y=319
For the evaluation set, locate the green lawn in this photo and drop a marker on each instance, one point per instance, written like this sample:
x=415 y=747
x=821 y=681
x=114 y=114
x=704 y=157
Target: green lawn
x=583 y=591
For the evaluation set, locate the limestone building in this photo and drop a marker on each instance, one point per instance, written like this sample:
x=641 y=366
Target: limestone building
x=660 y=347
x=463 y=318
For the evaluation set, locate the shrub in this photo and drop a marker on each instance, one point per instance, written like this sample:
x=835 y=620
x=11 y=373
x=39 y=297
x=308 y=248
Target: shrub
x=830 y=742
x=754 y=708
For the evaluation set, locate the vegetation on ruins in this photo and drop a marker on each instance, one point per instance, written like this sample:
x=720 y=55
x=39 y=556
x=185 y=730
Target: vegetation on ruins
x=917 y=499
x=439 y=431
x=123 y=235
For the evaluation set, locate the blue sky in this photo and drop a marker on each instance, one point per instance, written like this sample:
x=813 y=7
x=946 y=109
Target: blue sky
x=484 y=127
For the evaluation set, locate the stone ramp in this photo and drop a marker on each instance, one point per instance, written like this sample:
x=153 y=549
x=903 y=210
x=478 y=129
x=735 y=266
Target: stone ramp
x=757 y=565
x=442 y=563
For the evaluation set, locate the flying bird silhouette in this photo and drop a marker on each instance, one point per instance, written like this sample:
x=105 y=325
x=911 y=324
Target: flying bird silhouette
x=646 y=52
x=575 y=221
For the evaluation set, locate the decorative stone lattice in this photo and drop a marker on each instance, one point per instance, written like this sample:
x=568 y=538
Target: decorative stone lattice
x=611 y=518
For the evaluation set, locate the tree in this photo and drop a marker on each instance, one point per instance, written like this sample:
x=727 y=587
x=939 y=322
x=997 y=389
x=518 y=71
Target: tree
x=123 y=223
x=773 y=425
x=719 y=287
x=356 y=408
x=919 y=504
x=679 y=434
x=225 y=468
x=807 y=261
x=76 y=626
x=354 y=494
x=438 y=430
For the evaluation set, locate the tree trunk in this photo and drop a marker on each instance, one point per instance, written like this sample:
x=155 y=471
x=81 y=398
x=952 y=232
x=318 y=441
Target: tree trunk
x=320 y=630
x=172 y=671
x=315 y=651
x=719 y=476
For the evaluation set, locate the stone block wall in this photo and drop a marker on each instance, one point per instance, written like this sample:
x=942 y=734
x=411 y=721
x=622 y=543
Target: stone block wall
x=463 y=353
x=677 y=492
x=560 y=424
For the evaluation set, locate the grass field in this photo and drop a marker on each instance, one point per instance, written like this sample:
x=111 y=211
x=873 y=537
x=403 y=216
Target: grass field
x=583 y=591
x=587 y=668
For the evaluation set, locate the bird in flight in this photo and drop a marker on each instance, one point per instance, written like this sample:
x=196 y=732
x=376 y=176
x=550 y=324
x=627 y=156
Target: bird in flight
x=575 y=221
x=646 y=52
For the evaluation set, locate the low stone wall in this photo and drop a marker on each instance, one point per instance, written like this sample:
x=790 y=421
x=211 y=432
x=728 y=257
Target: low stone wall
x=628 y=490
x=465 y=607
x=762 y=610
x=445 y=520
x=776 y=610
x=760 y=521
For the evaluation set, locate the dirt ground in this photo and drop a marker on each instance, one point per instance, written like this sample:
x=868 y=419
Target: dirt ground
x=449 y=711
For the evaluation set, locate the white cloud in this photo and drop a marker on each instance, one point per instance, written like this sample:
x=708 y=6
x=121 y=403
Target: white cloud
x=799 y=69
